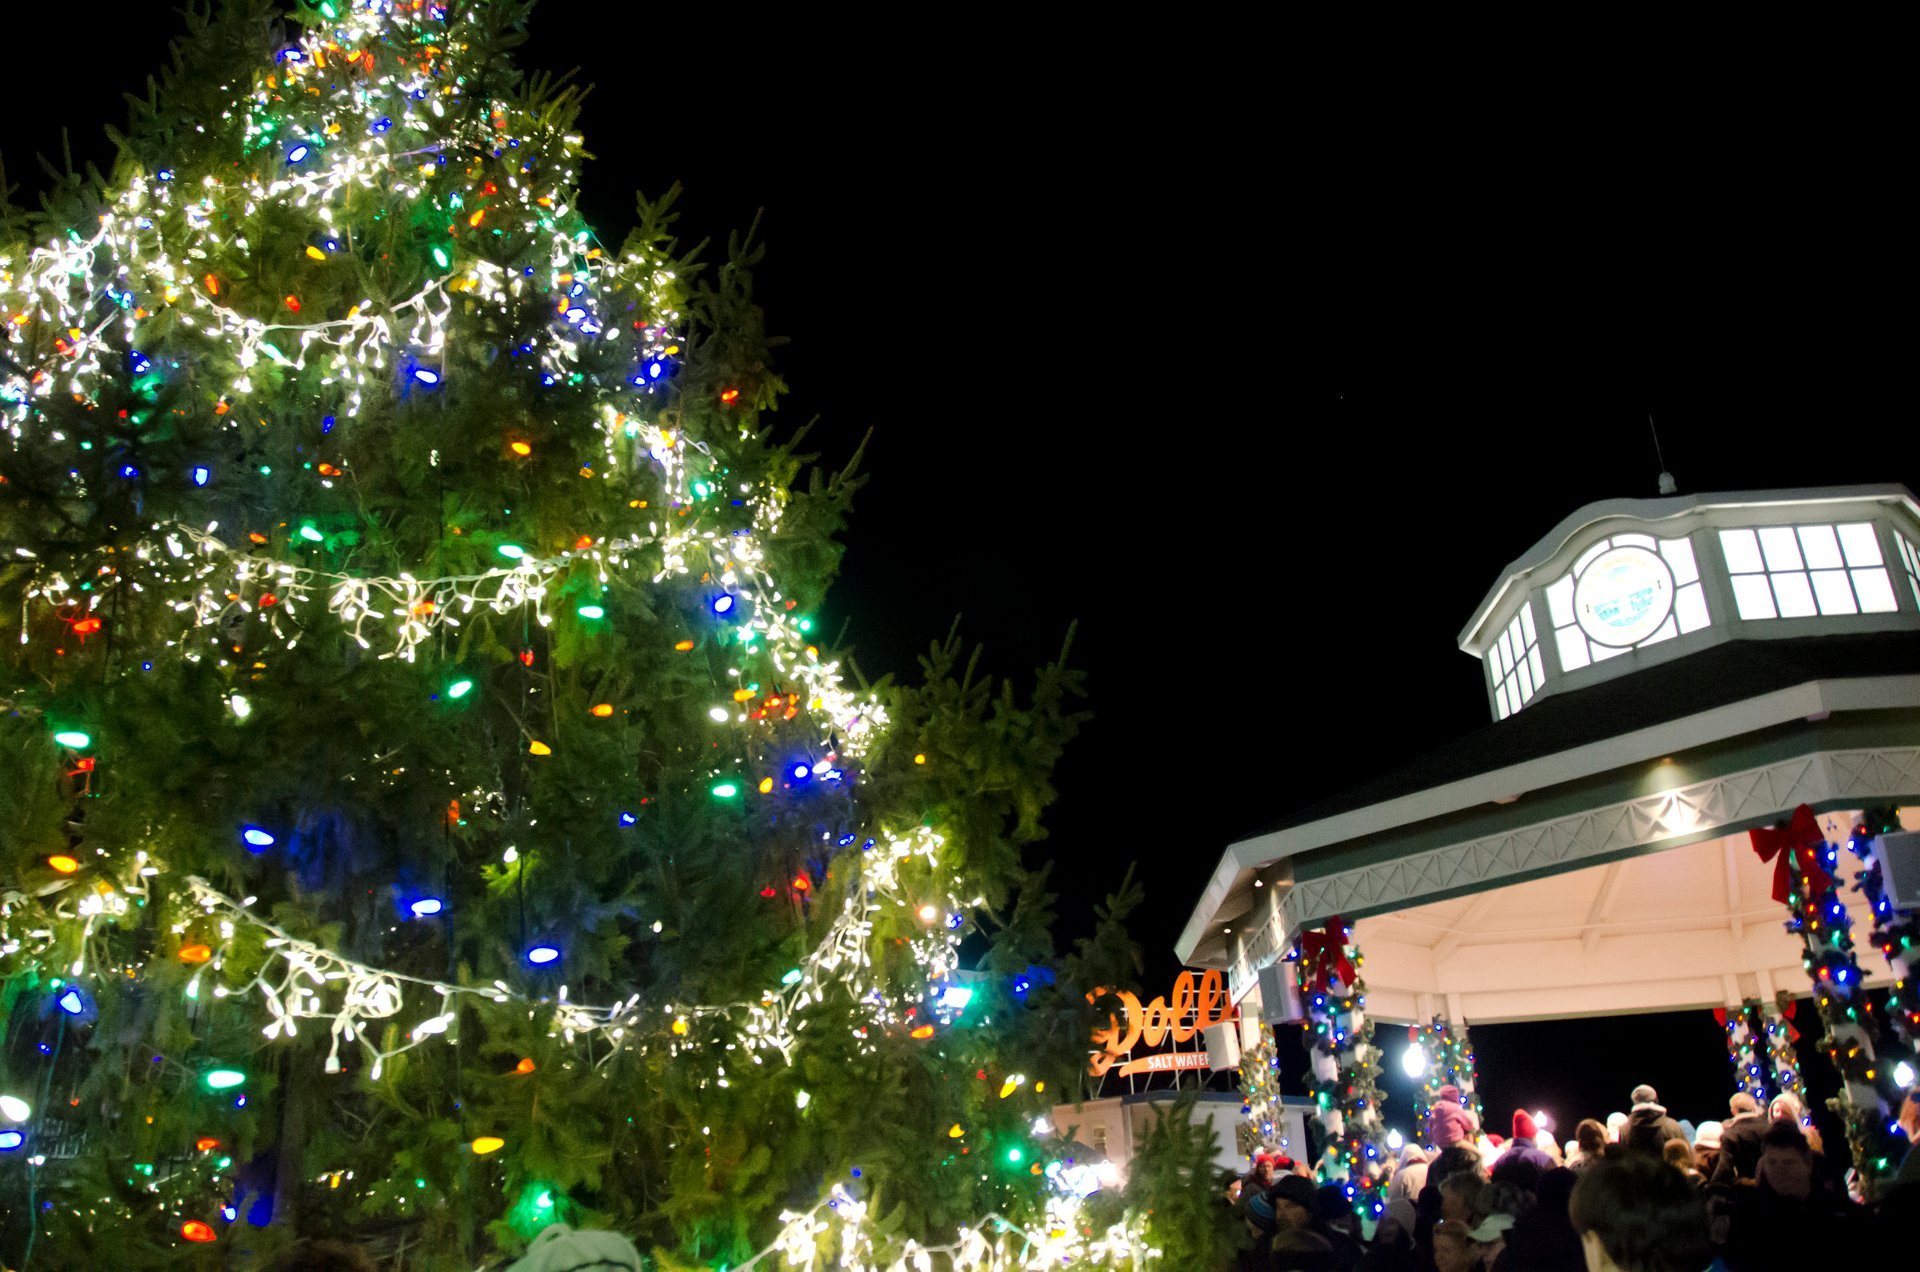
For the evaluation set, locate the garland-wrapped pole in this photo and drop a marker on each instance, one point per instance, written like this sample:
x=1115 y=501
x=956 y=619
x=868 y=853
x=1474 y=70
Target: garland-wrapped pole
x=1783 y=1062
x=1340 y=1038
x=1896 y=930
x=1449 y=1063
x=1259 y=1094
x=1803 y=880
x=1745 y=1029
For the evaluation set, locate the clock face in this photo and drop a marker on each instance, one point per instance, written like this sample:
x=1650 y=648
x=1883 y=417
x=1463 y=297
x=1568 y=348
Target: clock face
x=1624 y=596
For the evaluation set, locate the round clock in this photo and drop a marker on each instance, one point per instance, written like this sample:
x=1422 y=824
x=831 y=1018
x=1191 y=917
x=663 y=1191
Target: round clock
x=1623 y=596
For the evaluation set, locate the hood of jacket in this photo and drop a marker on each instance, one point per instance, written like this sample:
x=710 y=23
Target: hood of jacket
x=1645 y=1113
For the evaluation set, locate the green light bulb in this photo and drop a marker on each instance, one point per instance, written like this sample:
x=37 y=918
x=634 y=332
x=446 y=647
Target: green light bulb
x=725 y=790
x=73 y=739
x=311 y=535
x=459 y=689
x=591 y=611
x=225 y=1079
x=441 y=258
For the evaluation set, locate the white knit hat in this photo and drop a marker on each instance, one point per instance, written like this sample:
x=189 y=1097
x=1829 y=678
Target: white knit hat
x=560 y=1249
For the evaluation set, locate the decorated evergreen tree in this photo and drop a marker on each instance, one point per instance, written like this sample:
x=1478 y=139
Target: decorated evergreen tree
x=430 y=813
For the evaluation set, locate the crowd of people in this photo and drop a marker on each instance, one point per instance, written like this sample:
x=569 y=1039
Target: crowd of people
x=1638 y=1192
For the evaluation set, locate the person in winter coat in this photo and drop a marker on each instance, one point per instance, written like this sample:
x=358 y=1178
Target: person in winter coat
x=1410 y=1177
x=1739 y=1140
x=1590 y=1138
x=1448 y=1122
x=1786 y=1162
x=1706 y=1148
x=1291 y=1244
x=1648 y=1126
x=1543 y=1239
x=1525 y=1145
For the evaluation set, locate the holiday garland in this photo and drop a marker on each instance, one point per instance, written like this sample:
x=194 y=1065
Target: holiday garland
x=1449 y=1063
x=1744 y=1028
x=1260 y=1094
x=1783 y=1062
x=1340 y=1040
x=1804 y=881
x=1895 y=929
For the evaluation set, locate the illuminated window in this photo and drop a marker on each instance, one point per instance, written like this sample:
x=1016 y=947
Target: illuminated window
x=1514 y=668
x=1911 y=559
x=1650 y=592
x=1801 y=571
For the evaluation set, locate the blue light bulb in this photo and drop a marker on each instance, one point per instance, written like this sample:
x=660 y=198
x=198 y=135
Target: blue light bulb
x=73 y=1002
x=202 y=474
x=723 y=604
x=426 y=906
x=298 y=153
x=541 y=955
x=257 y=838
x=800 y=772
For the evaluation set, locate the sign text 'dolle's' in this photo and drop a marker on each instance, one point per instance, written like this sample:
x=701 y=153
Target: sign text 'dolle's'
x=1194 y=1008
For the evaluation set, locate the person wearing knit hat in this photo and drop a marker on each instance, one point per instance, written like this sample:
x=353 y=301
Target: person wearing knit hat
x=559 y=1248
x=1448 y=1121
x=1525 y=1147
x=1648 y=1126
x=1616 y=1127
x=1739 y=1149
x=1706 y=1148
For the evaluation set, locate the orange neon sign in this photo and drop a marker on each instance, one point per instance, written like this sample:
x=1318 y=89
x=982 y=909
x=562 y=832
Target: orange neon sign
x=1194 y=1008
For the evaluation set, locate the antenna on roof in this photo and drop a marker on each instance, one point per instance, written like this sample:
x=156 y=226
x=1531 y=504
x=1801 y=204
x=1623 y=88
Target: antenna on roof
x=1668 y=486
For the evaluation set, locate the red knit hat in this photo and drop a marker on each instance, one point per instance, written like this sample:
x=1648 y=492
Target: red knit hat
x=1523 y=1127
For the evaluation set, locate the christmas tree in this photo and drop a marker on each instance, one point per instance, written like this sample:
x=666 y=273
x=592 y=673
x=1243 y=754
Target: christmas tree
x=431 y=812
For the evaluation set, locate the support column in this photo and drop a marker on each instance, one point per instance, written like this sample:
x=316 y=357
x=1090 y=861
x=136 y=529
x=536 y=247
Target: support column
x=1805 y=863
x=1896 y=930
x=1259 y=1094
x=1746 y=1033
x=1450 y=1062
x=1340 y=1041
x=1783 y=1063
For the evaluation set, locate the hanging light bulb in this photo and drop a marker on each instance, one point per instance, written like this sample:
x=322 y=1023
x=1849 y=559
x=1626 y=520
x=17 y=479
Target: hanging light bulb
x=723 y=604
x=14 y=1109
x=1413 y=1062
x=73 y=739
x=73 y=1002
x=257 y=838
x=541 y=955
x=426 y=906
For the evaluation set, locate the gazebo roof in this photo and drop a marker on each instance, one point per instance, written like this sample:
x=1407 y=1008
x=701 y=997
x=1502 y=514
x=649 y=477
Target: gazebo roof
x=1714 y=677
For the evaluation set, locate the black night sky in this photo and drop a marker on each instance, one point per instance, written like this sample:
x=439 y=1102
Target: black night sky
x=1258 y=365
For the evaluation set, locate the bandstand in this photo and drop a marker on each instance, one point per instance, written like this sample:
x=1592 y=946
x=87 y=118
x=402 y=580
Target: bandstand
x=1665 y=676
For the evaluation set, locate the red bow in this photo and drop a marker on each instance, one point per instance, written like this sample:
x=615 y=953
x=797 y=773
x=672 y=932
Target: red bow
x=1720 y=1014
x=1786 y=1013
x=1801 y=838
x=1326 y=950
